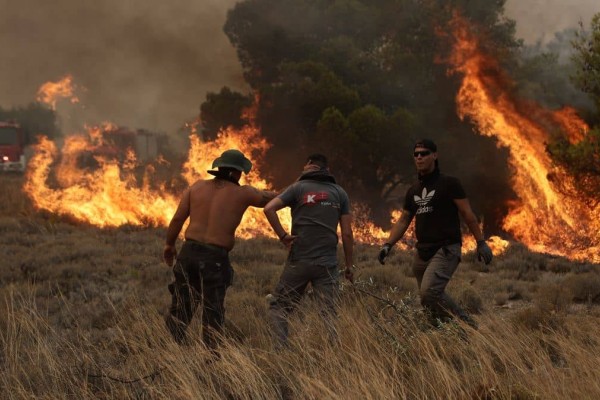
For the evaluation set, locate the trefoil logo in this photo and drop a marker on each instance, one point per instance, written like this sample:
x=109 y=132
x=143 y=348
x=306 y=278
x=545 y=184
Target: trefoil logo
x=425 y=197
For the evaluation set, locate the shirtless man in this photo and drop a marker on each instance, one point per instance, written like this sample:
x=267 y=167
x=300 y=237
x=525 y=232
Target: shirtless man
x=202 y=269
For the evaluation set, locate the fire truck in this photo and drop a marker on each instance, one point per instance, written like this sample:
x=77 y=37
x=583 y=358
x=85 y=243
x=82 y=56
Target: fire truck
x=12 y=147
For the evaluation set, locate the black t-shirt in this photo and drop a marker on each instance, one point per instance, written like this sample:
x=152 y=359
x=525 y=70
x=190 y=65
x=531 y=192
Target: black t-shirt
x=431 y=201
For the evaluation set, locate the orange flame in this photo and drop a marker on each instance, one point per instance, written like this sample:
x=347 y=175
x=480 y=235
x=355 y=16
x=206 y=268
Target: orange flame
x=496 y=243
x=544 y=219
x=574 y=127
x=250 y=142
x=106 y=197
x=111 y=196
x=366 y=232
x=50 y=92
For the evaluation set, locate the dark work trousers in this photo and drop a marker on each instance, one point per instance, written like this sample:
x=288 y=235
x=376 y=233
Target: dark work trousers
x=433 y=277
x=290 y=289
x=202 y=275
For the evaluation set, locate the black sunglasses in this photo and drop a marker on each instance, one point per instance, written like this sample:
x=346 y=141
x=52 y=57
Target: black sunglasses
x=423 y=153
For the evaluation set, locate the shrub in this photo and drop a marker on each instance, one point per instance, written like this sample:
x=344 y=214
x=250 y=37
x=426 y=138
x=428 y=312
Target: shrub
x=584 y=287
x=470 y=300
x=555 y=297
x=501 y=298
x=388 y=277
x=538 y=318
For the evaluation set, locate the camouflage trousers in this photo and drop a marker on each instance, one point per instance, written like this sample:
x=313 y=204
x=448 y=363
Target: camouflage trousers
x=202 y=275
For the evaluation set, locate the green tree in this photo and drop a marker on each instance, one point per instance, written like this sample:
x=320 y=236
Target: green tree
x=221 y=110
x=543 y=74
x=582 y=159
x=359 y=80
x=587 y=61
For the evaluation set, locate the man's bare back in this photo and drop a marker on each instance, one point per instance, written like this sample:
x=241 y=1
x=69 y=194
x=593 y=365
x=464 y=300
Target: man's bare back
x=215 y=208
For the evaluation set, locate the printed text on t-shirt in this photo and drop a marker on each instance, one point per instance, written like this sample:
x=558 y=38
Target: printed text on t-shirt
x=313 y=198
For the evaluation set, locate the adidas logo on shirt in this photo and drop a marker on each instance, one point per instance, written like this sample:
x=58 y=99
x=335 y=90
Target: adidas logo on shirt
x=423 y=200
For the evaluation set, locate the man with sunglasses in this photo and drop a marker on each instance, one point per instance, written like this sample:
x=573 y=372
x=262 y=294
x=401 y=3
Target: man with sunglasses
x=436 y=201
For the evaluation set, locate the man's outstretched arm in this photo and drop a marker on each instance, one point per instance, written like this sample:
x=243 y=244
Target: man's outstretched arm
x=260 y=198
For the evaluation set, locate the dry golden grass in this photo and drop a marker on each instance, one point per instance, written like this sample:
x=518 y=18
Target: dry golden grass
x=81 y=316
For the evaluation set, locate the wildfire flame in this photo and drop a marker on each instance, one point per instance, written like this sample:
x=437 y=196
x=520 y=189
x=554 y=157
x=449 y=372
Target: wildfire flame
x=50 y=92
x=111 y=196
x=108 y=196
x=571 y=124
x=544 y=218
x=250 y=142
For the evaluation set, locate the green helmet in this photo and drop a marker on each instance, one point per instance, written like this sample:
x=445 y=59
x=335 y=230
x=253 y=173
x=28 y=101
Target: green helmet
x=233 y=159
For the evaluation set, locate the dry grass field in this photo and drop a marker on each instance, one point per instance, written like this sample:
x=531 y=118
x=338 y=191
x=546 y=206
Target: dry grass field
x=81 y=316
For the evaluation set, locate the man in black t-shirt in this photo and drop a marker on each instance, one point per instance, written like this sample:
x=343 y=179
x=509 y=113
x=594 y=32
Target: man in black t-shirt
x=435 y=202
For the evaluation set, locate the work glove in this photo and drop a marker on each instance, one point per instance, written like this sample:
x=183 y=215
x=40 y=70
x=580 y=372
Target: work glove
x=383 y=253
x=484 y=253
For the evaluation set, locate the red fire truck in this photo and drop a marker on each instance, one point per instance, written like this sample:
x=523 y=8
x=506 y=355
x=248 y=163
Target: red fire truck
x=12 y=146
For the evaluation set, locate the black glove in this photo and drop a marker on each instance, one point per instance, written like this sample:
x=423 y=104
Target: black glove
x=383 y=253
x=484 y=252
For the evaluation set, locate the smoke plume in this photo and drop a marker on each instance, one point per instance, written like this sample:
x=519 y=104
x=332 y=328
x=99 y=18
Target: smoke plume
x=539 y=20
x=149 y=63
x=144 y=64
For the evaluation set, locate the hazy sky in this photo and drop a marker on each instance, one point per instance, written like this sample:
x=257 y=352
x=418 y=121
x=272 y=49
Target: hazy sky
x=149 y=63
x=144 y=63
x=540 y=19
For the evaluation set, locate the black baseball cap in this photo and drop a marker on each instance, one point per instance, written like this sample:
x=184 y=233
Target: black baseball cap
x=427 y=144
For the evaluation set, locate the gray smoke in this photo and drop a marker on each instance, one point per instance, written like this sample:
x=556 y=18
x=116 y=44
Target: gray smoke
x=143 y=63
x=539 y=20
x=149 y=63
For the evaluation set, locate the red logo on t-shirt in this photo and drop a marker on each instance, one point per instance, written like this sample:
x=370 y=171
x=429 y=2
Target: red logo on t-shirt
x=312 y=198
